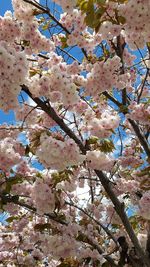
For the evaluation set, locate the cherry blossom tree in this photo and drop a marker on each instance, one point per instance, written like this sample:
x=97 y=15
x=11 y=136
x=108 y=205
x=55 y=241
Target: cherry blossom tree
x=74 y=167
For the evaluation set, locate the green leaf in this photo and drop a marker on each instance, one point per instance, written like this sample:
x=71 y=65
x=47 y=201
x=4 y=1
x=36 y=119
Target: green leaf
x=99 y=12
x=64 y=42
x=121 y=19
x=11 y=219
x=106 y=146
x=106 y=52
x=58 y=177
x=97 y=27
x=90 y=14
x=134 y=222
x=33 y=72
x=101 y=2
x=45 y=26
x=83 y=5
x=121 y=1
x=92 y=140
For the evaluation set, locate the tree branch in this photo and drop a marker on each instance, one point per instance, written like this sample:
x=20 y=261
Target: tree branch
x=106 y=230
x=148 y=240
x=143 y=84
x=140 y=136
x=86 y=239
x=47 y=11
x=52 y=113
x=114 y=100
x=118 y=206
x=136 y=128
x=15 y=199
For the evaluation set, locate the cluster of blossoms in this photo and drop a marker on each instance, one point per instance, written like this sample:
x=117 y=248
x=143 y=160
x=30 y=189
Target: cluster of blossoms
x=104 y=126
x=43 y=197
x=136 y=31
x=67 y=5
x=32 y=116
x=22 y=189
x=80 y=107
x=133 y=28
x=12 y=240
x=30 y=36
x=13 y=63
x=92 y=253
x=87 y=40
x=73 y=21
x=79 y=35
x=96 y=210
x=130 y=157
x=63 y=154
x=9 y=28
x=104 y=75
x=126 y=186
x=56 y=86
x=10 y=153
x=23 y=11
x=128 y=58
x=109 y=30
x=99 y=160
x=27 y=114
x=140 y=112
x=9 y=241
x=53 y=245
x=144 y=207
x=13 y=70
x=34 y=40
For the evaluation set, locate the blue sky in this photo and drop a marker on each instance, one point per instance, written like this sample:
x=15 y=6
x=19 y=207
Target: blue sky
x=6 y=5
